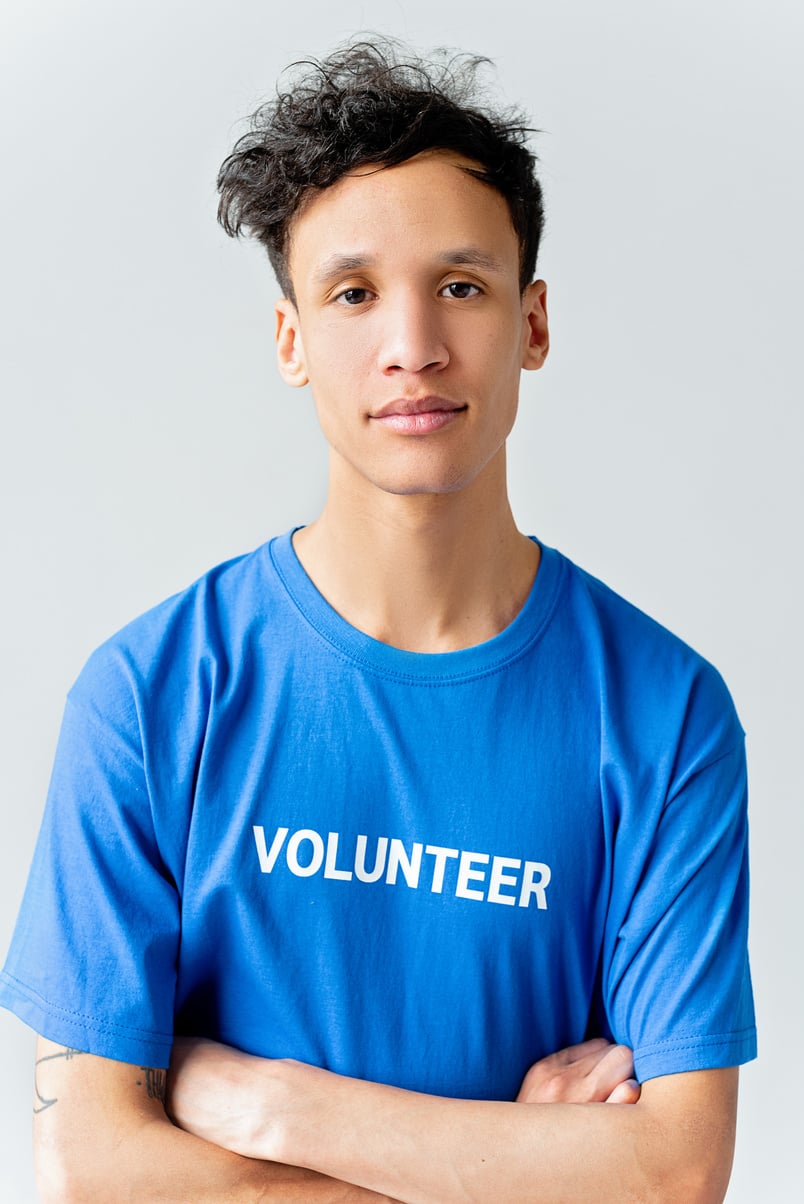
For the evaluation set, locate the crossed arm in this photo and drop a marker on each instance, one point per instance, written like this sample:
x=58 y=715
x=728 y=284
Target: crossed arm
x=250 y=1129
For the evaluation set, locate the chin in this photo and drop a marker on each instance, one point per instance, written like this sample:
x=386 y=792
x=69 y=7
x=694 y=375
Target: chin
x=425 y=488
x=422 y=474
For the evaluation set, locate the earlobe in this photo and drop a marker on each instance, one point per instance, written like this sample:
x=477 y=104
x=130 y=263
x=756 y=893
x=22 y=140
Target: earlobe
x=536 y=336
x=289 y=347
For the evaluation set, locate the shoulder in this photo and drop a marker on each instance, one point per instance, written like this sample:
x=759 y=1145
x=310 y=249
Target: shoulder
x=191 y=635
x=646 y=675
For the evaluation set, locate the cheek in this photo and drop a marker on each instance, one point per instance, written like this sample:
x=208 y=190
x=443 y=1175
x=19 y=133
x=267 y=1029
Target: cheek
x=338 y=360
x=491 y=346
x=497 y=362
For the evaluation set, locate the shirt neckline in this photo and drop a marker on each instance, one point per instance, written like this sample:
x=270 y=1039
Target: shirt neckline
x=432 y=668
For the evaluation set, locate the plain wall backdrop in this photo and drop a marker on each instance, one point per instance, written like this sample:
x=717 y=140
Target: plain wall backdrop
x=145 y=434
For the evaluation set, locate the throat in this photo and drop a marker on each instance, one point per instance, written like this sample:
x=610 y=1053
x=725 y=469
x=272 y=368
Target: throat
x=417 y=598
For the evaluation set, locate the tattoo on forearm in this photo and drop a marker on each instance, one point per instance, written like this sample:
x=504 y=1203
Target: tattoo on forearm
x=155 y=1083
x=42 y=1103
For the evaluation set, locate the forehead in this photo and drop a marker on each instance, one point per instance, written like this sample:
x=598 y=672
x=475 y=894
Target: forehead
x=421 y=208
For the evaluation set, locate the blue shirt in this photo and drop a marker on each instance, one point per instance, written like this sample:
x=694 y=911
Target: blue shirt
x=421 y=869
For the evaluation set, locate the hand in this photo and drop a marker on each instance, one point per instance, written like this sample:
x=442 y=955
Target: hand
x=593 y=1072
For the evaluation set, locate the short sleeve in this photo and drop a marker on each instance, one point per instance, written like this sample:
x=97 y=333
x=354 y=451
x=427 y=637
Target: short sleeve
x=677 y=985
x=92 y=963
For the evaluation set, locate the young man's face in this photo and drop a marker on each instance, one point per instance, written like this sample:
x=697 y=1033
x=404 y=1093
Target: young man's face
x=409 y=323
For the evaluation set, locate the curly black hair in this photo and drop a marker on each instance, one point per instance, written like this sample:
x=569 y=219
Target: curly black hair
x=373 y=102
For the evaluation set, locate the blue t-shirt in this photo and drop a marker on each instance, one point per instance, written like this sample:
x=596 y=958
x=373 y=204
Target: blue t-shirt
x=429 y=870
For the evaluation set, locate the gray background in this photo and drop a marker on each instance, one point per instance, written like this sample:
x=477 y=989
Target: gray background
x=145 y=434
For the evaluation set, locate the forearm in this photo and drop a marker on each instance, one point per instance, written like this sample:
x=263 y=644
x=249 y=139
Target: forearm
x=160 y=1163
x=429 y=1150
x=101 y=1136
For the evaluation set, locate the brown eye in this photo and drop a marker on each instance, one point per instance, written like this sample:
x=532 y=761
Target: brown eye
x=461 y=290
x=353 y=296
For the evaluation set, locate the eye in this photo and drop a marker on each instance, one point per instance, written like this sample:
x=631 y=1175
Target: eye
x=353 y=296
x=461 y=290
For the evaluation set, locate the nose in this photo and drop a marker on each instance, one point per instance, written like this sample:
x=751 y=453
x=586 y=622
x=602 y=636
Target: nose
x=412 y=339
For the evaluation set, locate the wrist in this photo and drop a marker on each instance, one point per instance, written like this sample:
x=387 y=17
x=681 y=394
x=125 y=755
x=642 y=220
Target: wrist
x=293 y=1127
x=269 y=1095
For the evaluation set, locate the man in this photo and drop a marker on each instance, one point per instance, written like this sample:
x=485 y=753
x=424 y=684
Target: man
x=393 y=809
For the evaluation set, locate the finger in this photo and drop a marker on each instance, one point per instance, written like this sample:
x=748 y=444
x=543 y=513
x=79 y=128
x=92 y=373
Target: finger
x=590 y=1079
x=562 y=1073
x=625 y=1093
x=598 y=1069
x=591 y=1050
x=615 y=1068
x=592 y=1061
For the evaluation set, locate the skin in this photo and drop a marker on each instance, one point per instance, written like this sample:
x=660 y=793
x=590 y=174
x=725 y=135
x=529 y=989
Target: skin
x=561 y=1145
x=418 y=316
x=433 y=310
x=407 y=299
x=135 y=1153
x=105 y=1137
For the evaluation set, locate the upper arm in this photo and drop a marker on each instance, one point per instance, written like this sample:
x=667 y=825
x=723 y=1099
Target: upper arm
x=695 y=1115
x=85 y=1109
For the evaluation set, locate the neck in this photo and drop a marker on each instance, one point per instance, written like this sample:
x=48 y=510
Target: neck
x=423 y=572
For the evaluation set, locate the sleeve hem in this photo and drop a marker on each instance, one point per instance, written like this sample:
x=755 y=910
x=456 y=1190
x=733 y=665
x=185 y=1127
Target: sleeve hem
x=695 y=1053
x=121 y=1044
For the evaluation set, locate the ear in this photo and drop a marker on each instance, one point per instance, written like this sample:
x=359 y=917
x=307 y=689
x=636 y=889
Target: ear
x=535 y=335
x=289 y=346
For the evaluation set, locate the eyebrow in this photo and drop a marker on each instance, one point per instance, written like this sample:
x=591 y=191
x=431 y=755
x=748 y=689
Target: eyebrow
x=339 y=265
x=472 y=257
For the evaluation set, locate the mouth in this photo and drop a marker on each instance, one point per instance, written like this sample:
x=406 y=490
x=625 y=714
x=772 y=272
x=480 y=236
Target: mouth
x=417 y=415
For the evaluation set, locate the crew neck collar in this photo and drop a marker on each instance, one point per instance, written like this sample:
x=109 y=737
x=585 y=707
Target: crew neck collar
x=426 y=667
